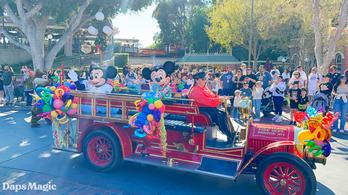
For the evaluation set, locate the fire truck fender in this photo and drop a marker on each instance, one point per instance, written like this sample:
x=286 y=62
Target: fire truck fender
x=264 y=149
x=122 y=136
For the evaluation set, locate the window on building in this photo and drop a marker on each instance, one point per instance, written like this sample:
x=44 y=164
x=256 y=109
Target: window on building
x=339 y=61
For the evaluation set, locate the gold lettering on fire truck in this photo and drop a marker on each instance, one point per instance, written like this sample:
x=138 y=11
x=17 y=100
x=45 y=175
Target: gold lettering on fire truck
x=269 y=133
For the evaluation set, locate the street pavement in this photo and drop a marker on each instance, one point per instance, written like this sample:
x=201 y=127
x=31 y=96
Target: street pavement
x=26 y=156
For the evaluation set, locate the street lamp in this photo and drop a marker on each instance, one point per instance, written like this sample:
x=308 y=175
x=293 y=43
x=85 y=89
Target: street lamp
x=49 y=37
x=306 y=63
x=251 y=32
x=107 y=30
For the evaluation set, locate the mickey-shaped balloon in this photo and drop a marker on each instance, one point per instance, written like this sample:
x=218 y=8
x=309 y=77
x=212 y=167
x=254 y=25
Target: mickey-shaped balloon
x=97 y=80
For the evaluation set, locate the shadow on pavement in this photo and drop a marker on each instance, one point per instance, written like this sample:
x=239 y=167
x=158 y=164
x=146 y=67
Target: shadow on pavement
x=323 y=190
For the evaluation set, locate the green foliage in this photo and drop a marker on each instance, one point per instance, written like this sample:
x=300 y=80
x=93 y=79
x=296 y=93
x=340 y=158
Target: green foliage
x=197 y=37
x=274 y=27
x=173 y=17
x=60 y=10
x=121 y=59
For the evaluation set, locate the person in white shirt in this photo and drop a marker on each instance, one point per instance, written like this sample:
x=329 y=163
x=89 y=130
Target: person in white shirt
x=236 y=104
x=303 y=75
x=278 y=89
x=257 y=97
x=275 y=69
x=286 y=75
x=314 y=79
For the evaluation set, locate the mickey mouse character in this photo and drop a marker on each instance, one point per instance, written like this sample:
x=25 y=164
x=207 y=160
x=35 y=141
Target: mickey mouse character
x=160 y=77
x=97 y=80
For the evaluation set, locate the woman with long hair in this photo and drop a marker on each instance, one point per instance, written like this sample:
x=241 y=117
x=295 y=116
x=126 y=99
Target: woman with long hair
x=340 y=104
x=296 y=76
x=314 y=79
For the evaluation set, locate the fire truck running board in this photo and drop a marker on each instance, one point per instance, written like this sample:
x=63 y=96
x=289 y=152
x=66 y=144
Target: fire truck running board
x=227 y=170
x=219 y=166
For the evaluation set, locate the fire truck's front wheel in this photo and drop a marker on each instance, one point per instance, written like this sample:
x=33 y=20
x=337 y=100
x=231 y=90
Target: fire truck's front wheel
x=285 y=174
x=102 y=150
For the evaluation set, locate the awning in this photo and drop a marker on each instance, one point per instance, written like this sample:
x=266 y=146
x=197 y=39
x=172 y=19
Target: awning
x=211 y=59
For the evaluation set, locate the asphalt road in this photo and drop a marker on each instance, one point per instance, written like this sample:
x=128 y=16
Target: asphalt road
x=26 y=156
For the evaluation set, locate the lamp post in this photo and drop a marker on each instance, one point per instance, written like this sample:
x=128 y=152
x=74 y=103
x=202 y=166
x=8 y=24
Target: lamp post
x=306 y=63
x=283 y=60
x=49 y=37
x=107 y=30
x=251 y=32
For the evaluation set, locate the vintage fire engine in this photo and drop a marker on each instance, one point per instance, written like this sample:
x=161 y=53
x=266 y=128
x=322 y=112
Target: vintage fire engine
x=101 y=132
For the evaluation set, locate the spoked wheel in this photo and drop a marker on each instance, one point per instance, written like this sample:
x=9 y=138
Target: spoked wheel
x=102 y=150
x=285 y=174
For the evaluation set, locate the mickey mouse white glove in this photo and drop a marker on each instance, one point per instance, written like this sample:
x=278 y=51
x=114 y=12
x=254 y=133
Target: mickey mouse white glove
x=73 y=75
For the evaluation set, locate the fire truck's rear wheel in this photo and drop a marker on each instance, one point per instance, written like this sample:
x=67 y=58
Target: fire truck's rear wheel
x=102 y=150
x=285 y=174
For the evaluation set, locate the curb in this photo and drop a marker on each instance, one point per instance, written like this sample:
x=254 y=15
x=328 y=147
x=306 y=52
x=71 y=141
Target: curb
x=15 y=107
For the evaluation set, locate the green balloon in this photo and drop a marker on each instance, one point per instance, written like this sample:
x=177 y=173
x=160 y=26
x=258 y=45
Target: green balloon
x=150 y=100
x=46 y=108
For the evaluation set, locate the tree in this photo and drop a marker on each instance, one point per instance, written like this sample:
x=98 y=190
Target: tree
x=230 y=24
x=197 y=37
x=329 y=23
x=173 y=17
x=32 y=17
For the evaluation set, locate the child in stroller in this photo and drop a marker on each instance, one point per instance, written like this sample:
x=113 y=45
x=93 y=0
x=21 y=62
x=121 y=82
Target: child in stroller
x=320 y=102
x=267 y=102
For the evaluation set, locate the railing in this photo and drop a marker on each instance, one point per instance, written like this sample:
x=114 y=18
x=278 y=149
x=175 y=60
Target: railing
x=119 y=107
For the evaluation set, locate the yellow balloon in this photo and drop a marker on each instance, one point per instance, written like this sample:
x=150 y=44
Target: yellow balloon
x=53 y=88
x=54 y=114
x=136 y=102
x=305 y=135
x=73 y=106
x=320 y=134
x=150 y=117
x=158 y=104
x=68 y=104
x=36 y=97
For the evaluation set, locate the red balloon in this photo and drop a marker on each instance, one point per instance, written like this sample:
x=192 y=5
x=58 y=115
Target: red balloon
x=299 y=116
x=65 y=88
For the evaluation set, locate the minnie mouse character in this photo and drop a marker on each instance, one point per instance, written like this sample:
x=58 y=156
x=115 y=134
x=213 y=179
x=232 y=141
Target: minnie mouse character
x=97 y=81
x=160 y=78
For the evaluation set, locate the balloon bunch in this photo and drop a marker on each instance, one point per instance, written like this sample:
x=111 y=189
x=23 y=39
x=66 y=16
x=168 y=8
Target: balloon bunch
x=56 y=102
x=149 y=120
x=118 y=86
x=315 y=131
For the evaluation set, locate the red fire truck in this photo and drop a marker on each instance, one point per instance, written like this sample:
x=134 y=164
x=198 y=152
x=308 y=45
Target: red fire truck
x=101 y=132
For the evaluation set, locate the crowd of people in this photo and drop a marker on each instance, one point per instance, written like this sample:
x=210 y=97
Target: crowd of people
x=295 y=88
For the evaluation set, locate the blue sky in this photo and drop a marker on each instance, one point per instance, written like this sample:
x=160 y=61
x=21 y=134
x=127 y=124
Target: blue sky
x=139 y=25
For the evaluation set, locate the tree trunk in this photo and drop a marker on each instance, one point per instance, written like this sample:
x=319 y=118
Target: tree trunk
x=68 y=46
x=34 y=26
x=324 y=59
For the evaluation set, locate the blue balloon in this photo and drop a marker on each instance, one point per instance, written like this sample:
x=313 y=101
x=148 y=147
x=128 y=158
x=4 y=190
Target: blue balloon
x=73 y=86
x=326 y=148
x=139 y=133
x=146 y=110
x=157 y=115
x=40 y=104
x=311 y=111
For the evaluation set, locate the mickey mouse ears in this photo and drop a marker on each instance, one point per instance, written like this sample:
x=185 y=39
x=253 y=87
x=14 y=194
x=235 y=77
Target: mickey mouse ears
x=169 y=67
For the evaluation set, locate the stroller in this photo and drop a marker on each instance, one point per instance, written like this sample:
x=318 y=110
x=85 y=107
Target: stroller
x=267 y=102
x=320 y=102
